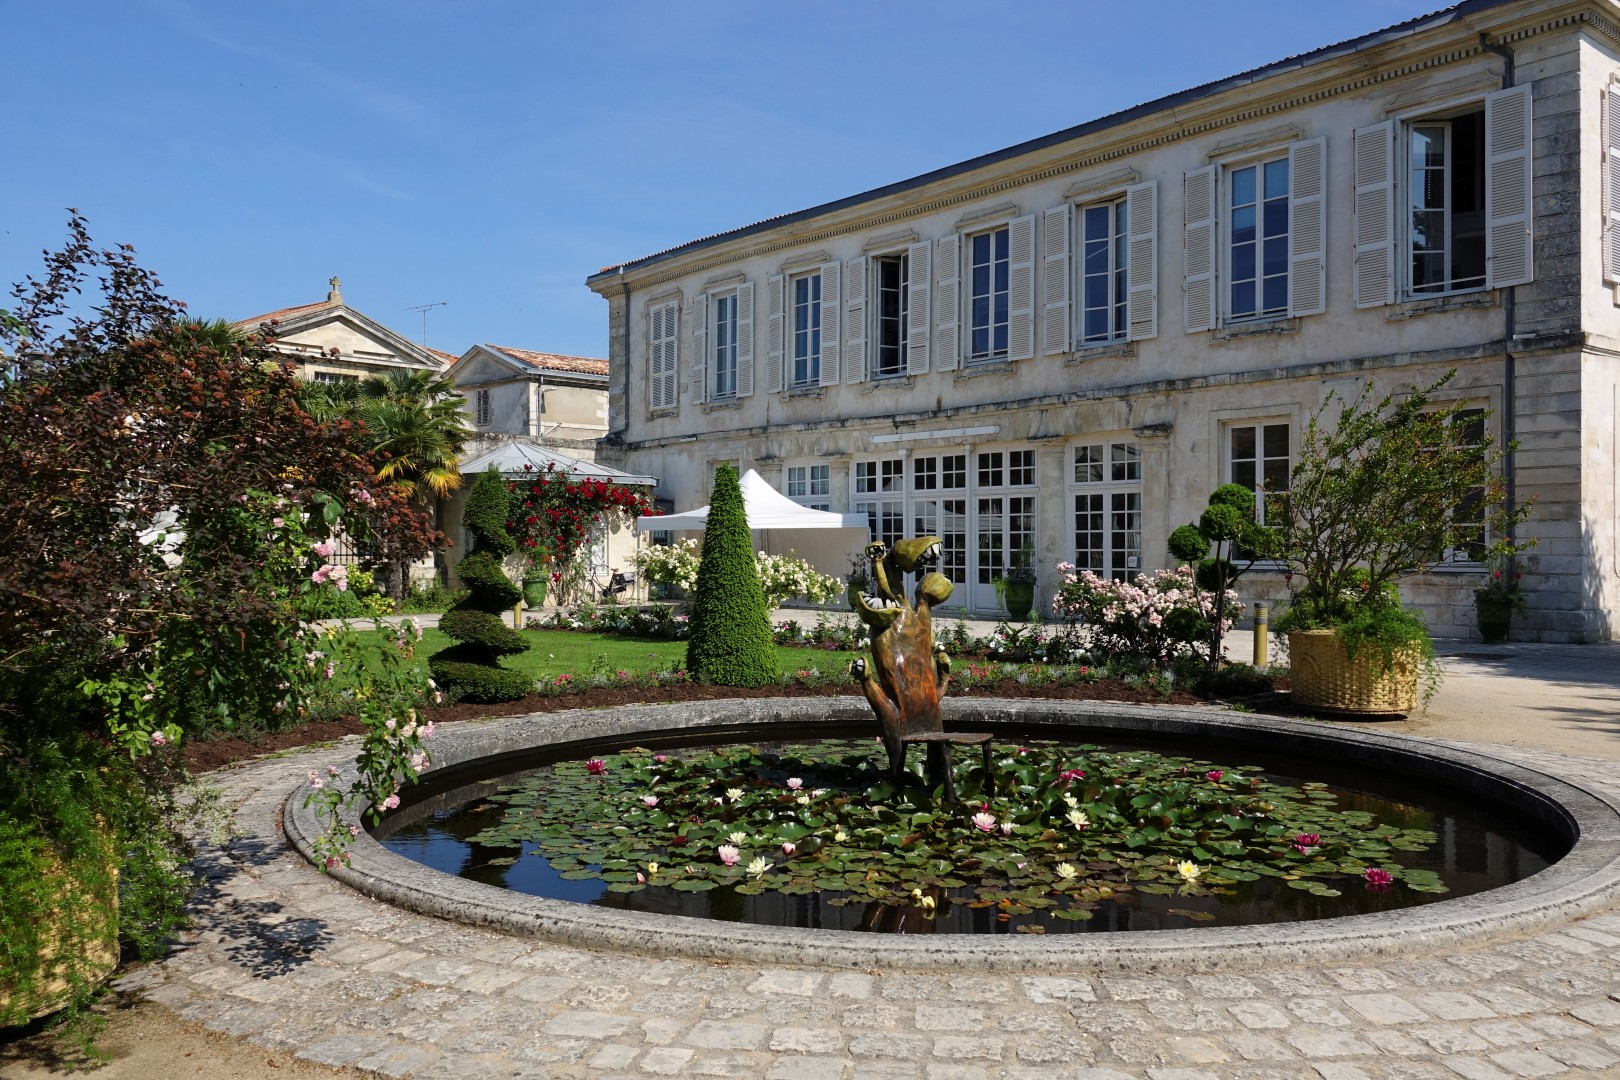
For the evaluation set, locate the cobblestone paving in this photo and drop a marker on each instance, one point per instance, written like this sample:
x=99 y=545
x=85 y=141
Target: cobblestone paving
x=290 y=960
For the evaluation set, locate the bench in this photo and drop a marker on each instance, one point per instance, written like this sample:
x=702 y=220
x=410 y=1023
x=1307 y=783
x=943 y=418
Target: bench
x=949 y=739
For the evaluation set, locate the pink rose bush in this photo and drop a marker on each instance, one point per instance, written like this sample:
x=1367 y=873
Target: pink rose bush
x=1162 y=615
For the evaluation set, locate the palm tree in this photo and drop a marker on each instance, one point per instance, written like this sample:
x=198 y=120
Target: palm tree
x=417 y=428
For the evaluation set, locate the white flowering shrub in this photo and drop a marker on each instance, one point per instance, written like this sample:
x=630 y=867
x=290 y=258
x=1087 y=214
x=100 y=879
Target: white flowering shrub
x=1163 y=615
x=783 y=576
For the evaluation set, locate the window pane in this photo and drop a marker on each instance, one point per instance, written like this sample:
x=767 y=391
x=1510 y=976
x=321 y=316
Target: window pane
x=1276 y=440
x=1275 y=294
x=1242 y=443
x=1242 y=186
x=1243 y=225
x=1277 y=178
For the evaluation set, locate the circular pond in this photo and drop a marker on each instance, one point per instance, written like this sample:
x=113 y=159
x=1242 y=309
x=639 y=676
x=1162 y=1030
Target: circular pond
x=1531 y=818
x=1062 y=838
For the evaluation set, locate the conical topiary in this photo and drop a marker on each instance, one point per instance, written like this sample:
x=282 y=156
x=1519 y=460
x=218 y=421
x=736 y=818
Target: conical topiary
x=730 y=643
x=473 y=667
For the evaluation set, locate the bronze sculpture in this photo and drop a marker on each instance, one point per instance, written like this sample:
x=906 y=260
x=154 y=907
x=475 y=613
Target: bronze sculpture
x=909 y=673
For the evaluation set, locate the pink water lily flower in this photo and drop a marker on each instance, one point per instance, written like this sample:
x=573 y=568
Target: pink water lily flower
x=1305 y=841
x=984 y=822
x=1377 y=880
x=789 y=847
x=649 y=800
x=596 y=766
x=794 y=783
x=728 y=854
x=660 y=758
x=1214 y=776
x=1069 y=776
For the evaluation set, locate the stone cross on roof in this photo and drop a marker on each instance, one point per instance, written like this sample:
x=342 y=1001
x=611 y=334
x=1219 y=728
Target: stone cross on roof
x=336 y=295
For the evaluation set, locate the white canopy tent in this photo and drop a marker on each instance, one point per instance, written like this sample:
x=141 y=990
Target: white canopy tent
x=766 y=508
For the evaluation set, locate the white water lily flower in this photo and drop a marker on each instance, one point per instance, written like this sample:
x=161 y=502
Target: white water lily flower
x=1189 y=871
x=1074 y=803
x=1066 y=871
x=738 y=838
x=734 y=793
x=1077 y=819
x=840 y=836
x=760 y=866
x=652 y=869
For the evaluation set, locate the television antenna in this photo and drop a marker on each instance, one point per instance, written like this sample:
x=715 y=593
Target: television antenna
x=424 y=309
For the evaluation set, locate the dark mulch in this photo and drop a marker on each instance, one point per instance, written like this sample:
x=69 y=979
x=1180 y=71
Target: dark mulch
x=202 y=755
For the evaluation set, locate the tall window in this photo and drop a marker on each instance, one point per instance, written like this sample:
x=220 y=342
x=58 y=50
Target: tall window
x=810 y=485
x=805 y=298
x=1257 y=458
x=939 y=508
x=1257 y=249
x=1108 y=509
x=880 y=495
x=1445 y=239
x=1104 y=262
x=481 y=406
x=723 y=370
x=891 y=279
x=988 y=272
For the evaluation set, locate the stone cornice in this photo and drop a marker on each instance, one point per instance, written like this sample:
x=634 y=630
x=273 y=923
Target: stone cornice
x=1435 y=48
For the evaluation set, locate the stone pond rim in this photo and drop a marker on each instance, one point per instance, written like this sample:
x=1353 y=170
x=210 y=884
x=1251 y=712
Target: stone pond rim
x=1583 y=880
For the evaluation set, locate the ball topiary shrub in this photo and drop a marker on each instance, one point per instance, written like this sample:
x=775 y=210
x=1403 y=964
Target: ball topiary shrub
x=730 y=630
x=472 y=667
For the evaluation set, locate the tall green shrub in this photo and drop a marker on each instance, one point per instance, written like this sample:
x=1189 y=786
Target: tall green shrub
x=730 y=642
x=472 y=667
x=1228 y=527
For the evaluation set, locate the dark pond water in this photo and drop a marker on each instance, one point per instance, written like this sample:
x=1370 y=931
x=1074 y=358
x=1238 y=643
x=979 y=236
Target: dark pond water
x=1478 y=848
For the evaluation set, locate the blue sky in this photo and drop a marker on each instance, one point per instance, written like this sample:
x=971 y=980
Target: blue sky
x=493 y=153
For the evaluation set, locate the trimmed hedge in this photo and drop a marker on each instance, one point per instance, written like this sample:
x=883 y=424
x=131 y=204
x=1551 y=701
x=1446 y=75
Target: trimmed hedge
x=472 y=667
x=730 y=642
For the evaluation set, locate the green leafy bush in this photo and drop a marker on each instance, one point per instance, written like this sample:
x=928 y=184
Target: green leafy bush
x=730 y=642
x=471 y=668
x=433 y=599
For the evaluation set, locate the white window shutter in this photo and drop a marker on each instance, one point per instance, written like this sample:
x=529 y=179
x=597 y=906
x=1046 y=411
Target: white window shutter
x=661 y=352
x=1373 y=261
x=775 y=298
x=774 y=356
x=830 y=309
x=1509 y=258
x=672 y=354
x=655 y=357
x=1056 y=228
x=854 y=356
x=700 y=348
x=1021 y=288
x=745 y=339
x=1142 y=261
x=1611 y=183
x=1200 y=285
x=1307 y=227
x=917 y=327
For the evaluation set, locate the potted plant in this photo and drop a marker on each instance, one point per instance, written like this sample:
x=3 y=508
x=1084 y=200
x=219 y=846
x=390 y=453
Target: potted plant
x=1495 y=604
x=1392 y=484
x=536 y=577
x=1016 y=588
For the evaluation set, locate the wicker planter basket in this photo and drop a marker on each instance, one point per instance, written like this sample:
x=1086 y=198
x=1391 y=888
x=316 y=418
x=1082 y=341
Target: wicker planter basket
x=1324 y=678
x=91 y=894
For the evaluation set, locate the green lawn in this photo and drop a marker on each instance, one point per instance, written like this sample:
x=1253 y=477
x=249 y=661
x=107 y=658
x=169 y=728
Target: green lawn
x=565 y=652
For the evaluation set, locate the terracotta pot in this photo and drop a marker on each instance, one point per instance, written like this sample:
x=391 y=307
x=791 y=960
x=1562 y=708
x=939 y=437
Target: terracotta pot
x=1324 y=677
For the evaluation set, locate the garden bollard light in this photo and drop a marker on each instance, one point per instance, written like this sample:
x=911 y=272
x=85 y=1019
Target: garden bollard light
x=1262 y=624
x=517 y=615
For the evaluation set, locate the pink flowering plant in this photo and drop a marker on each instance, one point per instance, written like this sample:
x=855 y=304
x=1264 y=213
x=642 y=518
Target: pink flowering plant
x=1160 y=616
x=385 y=685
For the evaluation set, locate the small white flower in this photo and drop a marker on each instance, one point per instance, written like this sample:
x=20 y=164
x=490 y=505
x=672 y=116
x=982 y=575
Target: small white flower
x=738 y=838
x=1066 y=871
x=760 y=866
x=734 y=793
x=1077 y=819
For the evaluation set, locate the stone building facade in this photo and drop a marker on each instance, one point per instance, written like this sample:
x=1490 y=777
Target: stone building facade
x=1058 y=349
